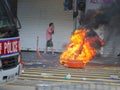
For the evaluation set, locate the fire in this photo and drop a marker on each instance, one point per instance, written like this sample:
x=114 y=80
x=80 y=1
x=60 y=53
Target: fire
x=81 y=49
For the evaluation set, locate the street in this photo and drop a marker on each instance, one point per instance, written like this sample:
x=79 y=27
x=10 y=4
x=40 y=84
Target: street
x=48 y=74
x=59 y=45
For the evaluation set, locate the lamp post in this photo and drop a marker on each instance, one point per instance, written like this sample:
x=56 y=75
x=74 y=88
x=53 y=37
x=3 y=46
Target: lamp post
x=75 y=14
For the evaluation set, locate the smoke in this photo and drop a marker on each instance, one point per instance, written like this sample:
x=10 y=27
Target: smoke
x=95 y=41
x=109 y=16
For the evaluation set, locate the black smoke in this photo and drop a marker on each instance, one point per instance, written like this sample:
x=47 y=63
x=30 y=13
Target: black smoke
x=97 y=43
x=108 y=15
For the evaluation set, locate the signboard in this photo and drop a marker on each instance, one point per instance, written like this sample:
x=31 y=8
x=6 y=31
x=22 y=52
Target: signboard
x=9 y=46
x=101 y=1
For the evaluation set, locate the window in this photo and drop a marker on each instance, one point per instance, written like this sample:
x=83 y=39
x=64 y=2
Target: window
x=7 y=21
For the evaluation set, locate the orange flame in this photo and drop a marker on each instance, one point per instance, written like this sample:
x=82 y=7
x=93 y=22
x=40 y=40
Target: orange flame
x=80 y=50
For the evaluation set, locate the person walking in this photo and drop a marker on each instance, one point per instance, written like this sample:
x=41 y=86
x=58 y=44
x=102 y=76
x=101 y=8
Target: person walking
x=49 y=42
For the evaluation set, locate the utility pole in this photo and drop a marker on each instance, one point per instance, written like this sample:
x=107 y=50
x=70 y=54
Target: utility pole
x=75 y=14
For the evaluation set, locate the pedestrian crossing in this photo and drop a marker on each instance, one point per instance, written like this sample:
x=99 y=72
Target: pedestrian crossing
x=58 y=74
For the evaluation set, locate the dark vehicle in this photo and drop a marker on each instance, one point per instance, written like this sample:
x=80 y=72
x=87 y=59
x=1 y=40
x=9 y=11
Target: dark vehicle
x=10 y=66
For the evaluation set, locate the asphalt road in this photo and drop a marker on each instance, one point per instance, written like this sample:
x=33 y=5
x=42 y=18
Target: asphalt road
x=46 y=61
x=7 y=87
x=52 y=60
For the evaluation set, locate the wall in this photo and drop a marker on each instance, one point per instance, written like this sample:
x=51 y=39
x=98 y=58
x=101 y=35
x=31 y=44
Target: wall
x=35 y=16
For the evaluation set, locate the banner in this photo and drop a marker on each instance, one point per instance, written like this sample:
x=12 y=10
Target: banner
x=101 y=1
x=9 y=46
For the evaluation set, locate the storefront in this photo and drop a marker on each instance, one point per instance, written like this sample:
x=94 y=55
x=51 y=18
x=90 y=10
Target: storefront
x=35 y=16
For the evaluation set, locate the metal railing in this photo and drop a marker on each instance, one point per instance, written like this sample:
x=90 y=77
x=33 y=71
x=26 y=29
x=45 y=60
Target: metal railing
x=78 y=86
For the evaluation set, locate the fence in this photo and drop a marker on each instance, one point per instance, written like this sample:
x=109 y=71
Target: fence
x=78 y=86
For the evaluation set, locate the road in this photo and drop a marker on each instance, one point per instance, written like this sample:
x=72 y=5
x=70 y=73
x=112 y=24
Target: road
x=50 y=75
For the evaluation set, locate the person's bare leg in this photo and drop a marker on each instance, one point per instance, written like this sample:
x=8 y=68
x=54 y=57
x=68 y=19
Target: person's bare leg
x=52 y=50
x=45 y=51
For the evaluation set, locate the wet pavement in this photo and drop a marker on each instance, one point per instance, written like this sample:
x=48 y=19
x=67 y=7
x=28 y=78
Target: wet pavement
x=45 y=69
x=48 y=60
x=43 y=60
